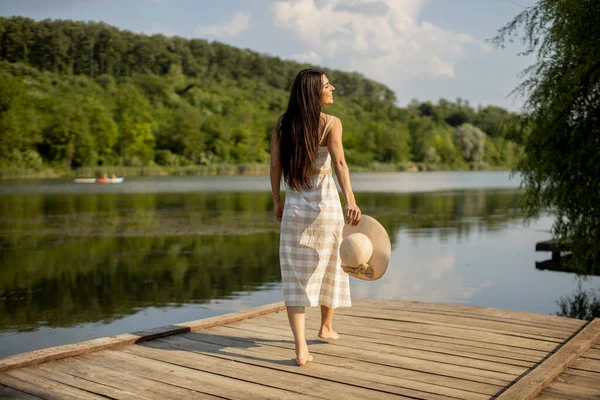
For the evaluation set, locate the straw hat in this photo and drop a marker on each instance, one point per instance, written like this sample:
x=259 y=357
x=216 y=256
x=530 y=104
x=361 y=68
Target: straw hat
x=366 y=249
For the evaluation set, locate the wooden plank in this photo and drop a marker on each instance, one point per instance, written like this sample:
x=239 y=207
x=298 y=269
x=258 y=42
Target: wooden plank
x=188 y=378
x=517 y=343
x=431 y=336
x=377 y=348
x=487 y=312
x=120 y=379
x=587 y=364
x=376 y=335
x=285 y=348
x=236 y=355
x=319 y=383
x=554 y=245
x=29 y=382
x=226 y=339
x=580 y=372
x=572 y=392
x=102 y=389
x=233 y=317
x=187 y=354
x=583 y=381
x=545 y=343
x=9 y=393
x=547 y=396
x=592 y=353
x=532 y=384
x=382 y=338
x=363 y=379
x=466 y=312
x=55 y=353
x=466 y=323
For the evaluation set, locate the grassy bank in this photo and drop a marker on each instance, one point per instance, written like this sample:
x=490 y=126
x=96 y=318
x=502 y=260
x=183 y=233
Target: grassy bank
x=205 y=170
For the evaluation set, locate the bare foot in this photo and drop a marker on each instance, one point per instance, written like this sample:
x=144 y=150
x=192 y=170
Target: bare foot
x=303 y=359
x=326 y=333
x=302 y=354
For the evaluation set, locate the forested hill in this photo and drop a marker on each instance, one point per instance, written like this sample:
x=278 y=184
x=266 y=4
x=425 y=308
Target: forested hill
x=76 y=94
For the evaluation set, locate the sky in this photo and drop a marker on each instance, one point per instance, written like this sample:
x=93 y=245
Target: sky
x=421 y=49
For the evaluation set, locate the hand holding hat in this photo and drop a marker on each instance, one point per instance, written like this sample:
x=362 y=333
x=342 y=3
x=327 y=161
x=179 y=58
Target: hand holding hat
x=366 y=249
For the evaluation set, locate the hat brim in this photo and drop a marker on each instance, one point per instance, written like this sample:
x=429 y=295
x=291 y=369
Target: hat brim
x=382 y=247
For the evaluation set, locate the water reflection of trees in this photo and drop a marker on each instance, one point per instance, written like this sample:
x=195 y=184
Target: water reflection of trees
x=77 y=281
x=23 y=217
x=68 y=259
x=582 y=304
x=443 y=214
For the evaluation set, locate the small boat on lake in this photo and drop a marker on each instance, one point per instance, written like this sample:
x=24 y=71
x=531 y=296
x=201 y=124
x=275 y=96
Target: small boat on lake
x=99 y=180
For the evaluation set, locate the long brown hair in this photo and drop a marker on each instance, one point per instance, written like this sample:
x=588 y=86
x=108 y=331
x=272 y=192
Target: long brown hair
x=299 y=129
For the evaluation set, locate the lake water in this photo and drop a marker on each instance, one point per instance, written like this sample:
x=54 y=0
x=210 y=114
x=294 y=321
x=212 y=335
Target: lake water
x=82 y=261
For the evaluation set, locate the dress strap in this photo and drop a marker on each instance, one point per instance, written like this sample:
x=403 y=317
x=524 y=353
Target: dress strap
x=325 y=130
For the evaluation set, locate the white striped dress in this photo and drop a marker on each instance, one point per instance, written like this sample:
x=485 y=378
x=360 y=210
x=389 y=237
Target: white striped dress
x=311 y=233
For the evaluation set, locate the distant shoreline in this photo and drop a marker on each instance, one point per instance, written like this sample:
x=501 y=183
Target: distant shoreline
x=209 y=170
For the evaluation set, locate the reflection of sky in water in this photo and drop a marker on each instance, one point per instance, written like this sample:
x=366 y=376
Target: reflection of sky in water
x=489 y=269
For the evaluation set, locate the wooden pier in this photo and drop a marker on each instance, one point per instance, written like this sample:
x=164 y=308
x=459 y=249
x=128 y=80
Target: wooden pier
x=560 y=249
x=387 y=349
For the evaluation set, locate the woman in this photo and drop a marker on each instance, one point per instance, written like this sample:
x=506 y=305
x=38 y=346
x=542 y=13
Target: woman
x=304 y=144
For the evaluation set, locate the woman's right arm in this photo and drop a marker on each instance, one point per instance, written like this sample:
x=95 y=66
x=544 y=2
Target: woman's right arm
x=336 y=149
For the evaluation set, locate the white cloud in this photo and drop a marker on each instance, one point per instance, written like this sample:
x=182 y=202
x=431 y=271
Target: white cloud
x=238 y=23
x=156 y=28
x=443 y=266
x=309 y=57
x=383 y=39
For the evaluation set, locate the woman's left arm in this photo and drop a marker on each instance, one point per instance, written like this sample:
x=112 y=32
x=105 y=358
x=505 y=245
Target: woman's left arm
x=276 y=174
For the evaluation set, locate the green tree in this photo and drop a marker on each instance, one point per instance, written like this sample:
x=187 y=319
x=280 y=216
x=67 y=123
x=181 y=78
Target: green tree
x=103 y=129
x=19 y=126
x=491 y=120
x=185 y=134
x=561 y=164
x=68 y=138
x=471 y=142
x=445 y=147
x=136 y=142
x=422 y=132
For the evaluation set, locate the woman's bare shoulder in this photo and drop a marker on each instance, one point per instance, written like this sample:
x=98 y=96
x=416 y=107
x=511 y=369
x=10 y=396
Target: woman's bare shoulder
x=330 y=119
x=335 y=122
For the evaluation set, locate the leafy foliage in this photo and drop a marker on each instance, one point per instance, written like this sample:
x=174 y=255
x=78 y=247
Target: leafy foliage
x=77 y=95
x=561 y=164
x=582 y=304
x=471 y=141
